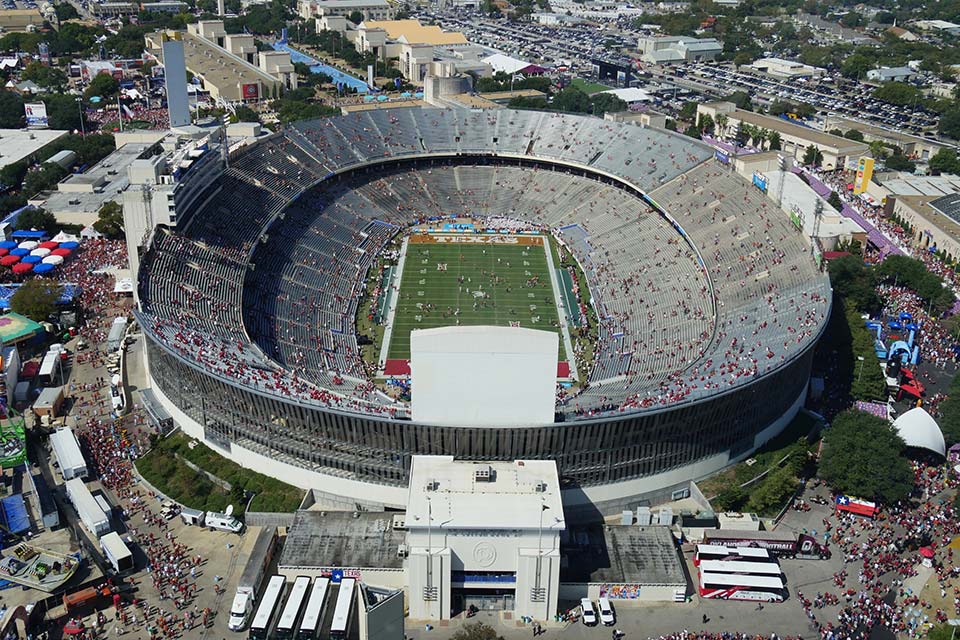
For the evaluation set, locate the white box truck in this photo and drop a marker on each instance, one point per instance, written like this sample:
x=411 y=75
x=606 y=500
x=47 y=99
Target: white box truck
x=66 y=448
x=192 y=516
x=117 y=552
x=252 y=578
x=91 y=515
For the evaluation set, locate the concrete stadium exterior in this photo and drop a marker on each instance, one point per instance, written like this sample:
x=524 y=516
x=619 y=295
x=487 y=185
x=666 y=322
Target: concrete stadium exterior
x=609 y=460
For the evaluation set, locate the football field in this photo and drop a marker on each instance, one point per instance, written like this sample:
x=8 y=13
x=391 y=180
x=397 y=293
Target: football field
x=473 y=280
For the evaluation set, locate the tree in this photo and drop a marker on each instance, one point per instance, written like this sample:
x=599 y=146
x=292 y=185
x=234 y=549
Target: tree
x=949 y=124
x=812 y=157
x=36 y=219
x=877 y=149
x=899 y=162
x=834 y=201
x=949 y=409
x=11 y=176
x=862 y=457
x=898 y=93
x=705 y=123
x=853 y=134
x=11 y=110
x=944 y=161
x=688 y=111
x=775 y=144
x=63 y=112
x=103 y=85
x=36 y=298
x=720 y=123
x=45 y=76
x=571 y=100
x=43 y=179
x=66 y=11
x=244 y=113
x=110 y=220
x=854 y=282
x=607 y=103
x=355 y=17
x=856 y=65
x=741 y=99
x=476 y=631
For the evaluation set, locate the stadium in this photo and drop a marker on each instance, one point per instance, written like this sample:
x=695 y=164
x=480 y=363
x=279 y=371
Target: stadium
x=277 y=312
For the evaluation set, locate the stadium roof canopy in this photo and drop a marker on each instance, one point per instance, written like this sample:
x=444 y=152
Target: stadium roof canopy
x=919 y=429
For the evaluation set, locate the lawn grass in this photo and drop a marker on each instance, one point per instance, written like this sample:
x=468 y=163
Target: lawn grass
x=473 y=284
x=589 y=87
x=767 y=457
x=164 y=470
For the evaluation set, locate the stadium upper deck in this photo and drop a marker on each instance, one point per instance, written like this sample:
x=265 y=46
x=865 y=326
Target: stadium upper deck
x=713 y=292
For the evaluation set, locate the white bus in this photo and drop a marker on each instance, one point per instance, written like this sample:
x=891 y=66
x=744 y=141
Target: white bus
x=723 y=552
x=738 y=567
x=260 y=627
x=291 y=611
x=342 y=614
x=729 y=586
x=313 y=614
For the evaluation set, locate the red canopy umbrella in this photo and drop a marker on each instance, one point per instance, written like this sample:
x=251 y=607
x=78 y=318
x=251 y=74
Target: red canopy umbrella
x=4 y=252
x=9 y=260
x=926 y=552
x=22 y=267
x=48 y=245
x=61 y=252
x=74 y=627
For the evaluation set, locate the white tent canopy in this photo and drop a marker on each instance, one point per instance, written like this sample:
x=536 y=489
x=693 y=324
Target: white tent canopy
x=918 y=429
x=65 y=237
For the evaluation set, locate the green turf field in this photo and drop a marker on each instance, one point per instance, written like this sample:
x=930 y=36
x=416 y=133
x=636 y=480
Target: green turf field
x=490 y=284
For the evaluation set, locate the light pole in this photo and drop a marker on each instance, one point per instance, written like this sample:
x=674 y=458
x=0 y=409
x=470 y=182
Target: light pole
x=83 y=130
x=860 y=373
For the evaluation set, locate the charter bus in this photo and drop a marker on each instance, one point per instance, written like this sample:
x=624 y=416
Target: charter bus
x=260 y=626
x=340 y=626
x=313 y=614
x=738 y=567
x=730 y=586
x=723 y=552
x=291 y=611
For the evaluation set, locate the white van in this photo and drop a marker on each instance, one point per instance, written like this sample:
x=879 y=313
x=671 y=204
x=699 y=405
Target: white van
x=606 y=612
x=589 y=613
x=223 y=522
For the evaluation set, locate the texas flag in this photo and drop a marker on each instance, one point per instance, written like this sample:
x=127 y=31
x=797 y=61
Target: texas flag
x=856 y=505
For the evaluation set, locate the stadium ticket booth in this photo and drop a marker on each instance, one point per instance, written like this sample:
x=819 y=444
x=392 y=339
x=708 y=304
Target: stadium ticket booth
x=483 y=534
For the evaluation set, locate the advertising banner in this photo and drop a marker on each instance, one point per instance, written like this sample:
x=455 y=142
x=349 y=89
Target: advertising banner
x=36 y=114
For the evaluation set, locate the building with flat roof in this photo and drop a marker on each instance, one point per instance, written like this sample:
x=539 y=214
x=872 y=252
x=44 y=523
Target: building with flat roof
x=369 y=9
x=18 y=144
x=914 y=147
x=929 y=204
x=795 y=139
x=678 y=49
x=780 y=68
x=473 y=526
x=20 y=19
x=891 y=74
x=228 y=66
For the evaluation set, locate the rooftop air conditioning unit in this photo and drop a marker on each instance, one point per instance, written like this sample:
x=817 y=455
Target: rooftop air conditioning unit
x=484 y=474
x=432 y=485
x=541 y=487
x=402 y=550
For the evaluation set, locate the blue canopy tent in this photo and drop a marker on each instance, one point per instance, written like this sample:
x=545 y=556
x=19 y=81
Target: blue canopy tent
x=15 y=516
x=29 y=235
